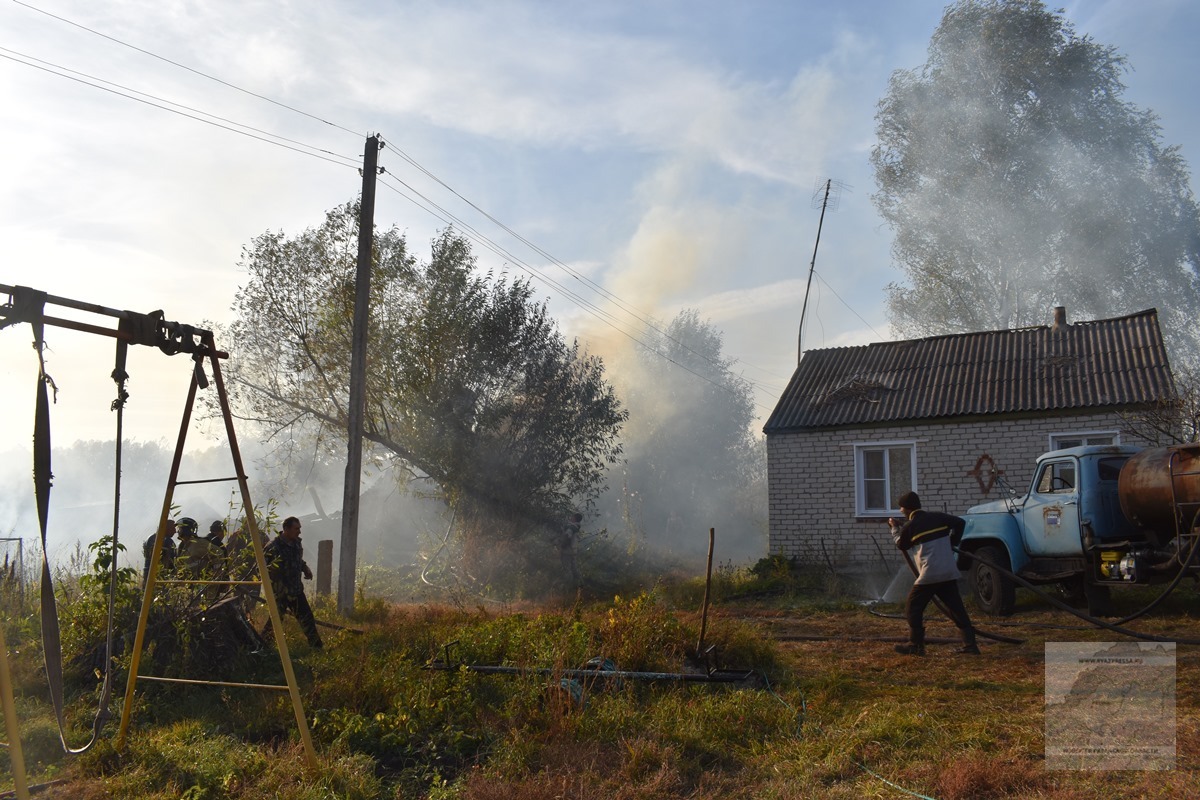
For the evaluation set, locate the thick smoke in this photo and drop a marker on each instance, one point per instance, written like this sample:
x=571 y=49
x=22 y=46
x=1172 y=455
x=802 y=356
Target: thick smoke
x=694 y=459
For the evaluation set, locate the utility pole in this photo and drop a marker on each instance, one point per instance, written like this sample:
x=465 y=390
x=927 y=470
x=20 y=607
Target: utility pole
x=348 y=557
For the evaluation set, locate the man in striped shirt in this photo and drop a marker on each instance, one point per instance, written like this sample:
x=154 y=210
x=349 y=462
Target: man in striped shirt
x=930 y=537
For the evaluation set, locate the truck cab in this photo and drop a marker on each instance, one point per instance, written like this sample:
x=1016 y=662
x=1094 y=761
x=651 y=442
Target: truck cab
x=1053 y=532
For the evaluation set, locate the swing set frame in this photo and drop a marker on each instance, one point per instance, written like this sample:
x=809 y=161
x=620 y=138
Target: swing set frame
x=28 y=305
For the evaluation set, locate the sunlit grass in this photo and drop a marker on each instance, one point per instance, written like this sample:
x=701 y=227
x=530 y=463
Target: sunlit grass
x=822 y=714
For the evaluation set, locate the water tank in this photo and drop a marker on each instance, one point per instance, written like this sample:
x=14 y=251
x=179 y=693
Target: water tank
x=1154 y=482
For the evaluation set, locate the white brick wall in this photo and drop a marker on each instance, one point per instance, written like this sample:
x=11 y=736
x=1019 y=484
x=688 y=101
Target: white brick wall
x=810 y=478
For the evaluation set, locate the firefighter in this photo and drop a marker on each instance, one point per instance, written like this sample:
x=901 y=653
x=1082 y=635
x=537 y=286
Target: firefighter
x=285 y=563
x=195 y=555
x=931 y=536
x=166 y=557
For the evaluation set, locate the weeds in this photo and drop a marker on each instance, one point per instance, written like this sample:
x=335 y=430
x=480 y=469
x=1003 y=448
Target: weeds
x=835 y=720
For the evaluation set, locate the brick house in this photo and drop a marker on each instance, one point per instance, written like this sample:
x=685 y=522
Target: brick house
x=951 y=417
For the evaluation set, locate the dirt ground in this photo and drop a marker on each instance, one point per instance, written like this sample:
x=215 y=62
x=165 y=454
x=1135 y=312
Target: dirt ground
x=986 y=713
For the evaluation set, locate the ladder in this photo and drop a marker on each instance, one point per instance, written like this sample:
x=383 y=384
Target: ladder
x=209 y=353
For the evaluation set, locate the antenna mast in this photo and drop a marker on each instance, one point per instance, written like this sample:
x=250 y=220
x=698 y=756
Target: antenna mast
x=824 y=193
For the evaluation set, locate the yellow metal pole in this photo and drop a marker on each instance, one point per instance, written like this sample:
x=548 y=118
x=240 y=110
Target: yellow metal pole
x=151 y=576
x=10 y=723
x=268 y=592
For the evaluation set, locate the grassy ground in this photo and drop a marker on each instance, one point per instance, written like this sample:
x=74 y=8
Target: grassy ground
x=832 y=713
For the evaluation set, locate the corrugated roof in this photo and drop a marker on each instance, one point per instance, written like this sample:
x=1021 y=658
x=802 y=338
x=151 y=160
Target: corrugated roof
x=1108 y=362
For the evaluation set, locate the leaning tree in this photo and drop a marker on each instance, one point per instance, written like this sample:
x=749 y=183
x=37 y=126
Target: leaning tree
x=470 y=384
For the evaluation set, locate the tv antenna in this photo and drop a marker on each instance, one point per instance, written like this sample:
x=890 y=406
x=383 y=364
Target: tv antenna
x=827 y=195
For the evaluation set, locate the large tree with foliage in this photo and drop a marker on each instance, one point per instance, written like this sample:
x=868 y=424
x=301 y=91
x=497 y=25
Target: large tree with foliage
x=693 y=461
x=1016 y=178
x=470 y=384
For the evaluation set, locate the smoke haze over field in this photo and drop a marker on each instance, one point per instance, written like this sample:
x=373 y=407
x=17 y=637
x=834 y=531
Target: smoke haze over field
x=394 y=523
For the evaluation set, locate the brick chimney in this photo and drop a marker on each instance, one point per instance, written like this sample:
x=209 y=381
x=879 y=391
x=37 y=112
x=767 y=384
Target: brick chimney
x=1060 y=317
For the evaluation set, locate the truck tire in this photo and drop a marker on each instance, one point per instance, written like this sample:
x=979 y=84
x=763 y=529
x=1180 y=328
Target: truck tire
x=994 y=593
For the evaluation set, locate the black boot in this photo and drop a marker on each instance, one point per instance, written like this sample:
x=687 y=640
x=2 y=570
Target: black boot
x=911 y=649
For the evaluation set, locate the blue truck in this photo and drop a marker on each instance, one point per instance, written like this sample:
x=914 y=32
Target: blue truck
x=1093 y=518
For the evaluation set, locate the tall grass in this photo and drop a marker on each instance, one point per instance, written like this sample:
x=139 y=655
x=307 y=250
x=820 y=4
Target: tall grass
x=821 y=719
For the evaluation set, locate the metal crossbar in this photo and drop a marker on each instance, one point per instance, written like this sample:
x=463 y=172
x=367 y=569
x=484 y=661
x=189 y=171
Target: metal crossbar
x=208 y=480
x=200 y=582
x=280 y=686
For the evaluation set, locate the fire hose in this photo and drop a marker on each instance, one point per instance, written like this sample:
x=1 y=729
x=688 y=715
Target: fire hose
x=995 y=637
x=1100 y=623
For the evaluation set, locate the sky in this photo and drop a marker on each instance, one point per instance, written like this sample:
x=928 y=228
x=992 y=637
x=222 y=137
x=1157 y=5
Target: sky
x=665 y=150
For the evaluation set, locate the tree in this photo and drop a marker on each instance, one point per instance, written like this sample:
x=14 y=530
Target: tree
x=1016 y=178
x=693 y=462
x=1172 y=420
x=469 y=383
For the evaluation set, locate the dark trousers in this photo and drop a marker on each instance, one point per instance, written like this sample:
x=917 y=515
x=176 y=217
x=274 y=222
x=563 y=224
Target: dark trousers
x=947 y=592
x=297 y=606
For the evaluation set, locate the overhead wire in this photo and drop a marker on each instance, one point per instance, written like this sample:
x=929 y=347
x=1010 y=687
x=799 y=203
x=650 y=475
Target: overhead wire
x=607 y=317
x=450 y=218
x=185 y=67
x=642 y=317
x=87 y=79
x=243 y=130
x=589 y=307
x=848 y=306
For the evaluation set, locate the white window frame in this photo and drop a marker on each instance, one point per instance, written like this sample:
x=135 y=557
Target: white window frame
x=1053 y=439
x=860 y=494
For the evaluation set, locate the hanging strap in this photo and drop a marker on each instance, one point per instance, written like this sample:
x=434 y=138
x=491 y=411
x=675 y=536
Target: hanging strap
x=119 y=376
x=43 y=479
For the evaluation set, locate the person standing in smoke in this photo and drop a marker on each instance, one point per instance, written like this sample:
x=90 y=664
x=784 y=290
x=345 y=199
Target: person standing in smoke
x=566 y=547
x=166 y=563
x=285 y=563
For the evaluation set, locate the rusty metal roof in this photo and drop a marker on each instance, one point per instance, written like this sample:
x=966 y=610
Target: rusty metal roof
x=1097 y=364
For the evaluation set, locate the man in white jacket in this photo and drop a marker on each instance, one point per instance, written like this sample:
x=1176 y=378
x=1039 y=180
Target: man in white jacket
x=930 y=538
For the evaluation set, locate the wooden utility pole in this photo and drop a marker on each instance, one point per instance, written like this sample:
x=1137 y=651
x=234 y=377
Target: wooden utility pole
x=348 y=556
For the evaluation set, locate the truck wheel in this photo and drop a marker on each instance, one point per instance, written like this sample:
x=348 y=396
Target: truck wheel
x=994 y=592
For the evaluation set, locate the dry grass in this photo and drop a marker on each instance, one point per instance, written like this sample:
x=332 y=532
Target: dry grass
x=844 y=716
x=951 y=726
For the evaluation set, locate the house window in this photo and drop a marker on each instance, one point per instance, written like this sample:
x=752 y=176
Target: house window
x=883 y=472
x=1061 y=441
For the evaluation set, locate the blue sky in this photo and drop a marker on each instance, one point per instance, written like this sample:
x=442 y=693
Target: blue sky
x=667 y=151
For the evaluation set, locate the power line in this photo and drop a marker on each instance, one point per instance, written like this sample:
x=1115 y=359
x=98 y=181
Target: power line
x=185 y=67
x=87 y=78
x=612 y=297
x=599 y=289
x=587 y=306
x=591 y=308
x=278 y=141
